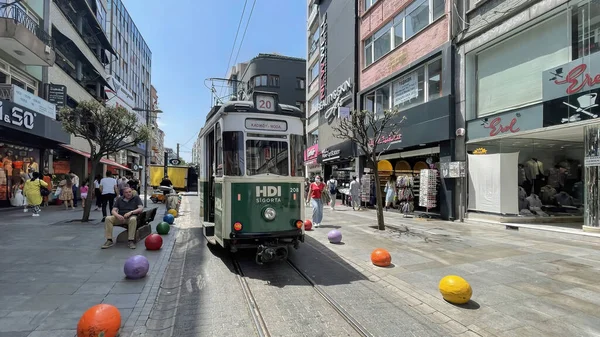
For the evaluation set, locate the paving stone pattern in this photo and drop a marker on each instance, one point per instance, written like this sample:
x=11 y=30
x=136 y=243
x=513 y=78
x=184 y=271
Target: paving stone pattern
x=524 y=284
x=53 y=270
x=288 y=304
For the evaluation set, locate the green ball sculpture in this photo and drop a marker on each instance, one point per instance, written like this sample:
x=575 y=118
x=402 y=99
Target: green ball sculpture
x=163 y=228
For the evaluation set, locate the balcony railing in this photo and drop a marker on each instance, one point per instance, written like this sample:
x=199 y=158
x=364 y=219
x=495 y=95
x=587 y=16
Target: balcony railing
x=21 y=17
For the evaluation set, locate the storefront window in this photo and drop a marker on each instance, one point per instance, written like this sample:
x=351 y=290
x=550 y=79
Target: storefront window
x=233 y=153
x=370 y=102
x=15 y=160
x=266 y=156
x=586 y=28
x=547 y=176
x=382 y=101
x=297 y=155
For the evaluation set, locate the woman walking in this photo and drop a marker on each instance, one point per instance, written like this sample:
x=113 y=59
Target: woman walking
x=83 y=191
x=314 y=196
x=390 y=192
x=32 y=191
x=48 y=180
x=66 y=192
x=97 y=192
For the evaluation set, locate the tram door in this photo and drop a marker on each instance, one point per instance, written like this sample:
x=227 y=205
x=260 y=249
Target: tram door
x=210 y=174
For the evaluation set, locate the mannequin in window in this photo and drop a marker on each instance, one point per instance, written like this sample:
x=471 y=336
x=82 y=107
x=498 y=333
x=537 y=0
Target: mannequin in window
x=556 y=177
x=534 y=173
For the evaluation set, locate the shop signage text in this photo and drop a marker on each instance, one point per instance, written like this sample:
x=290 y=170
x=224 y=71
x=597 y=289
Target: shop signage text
x=497 y=128
x=574 y=77
x=312 y=152
x=18 y=117
x=328 y=154
x=323 y=58
x=389 y=139
x=33 y=102
x=268 y=125
x=57 y=95
x=335 y=100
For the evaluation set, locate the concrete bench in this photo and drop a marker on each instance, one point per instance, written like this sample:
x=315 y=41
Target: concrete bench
x=143 y=226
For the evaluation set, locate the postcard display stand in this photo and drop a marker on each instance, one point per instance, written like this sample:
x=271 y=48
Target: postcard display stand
x=428 y=189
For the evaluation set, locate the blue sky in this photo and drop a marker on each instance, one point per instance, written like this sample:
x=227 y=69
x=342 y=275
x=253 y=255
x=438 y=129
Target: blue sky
x=191 y=40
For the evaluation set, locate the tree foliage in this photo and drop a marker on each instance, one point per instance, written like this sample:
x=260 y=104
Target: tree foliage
x=108 y=130
x=368 y=132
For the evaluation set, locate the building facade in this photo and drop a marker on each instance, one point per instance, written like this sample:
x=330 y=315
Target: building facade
x=283 y=75
x=528 y=84
x=157 y=136
x=330 y=90
x=29 y=132
x=82 y=51
x=406 y=64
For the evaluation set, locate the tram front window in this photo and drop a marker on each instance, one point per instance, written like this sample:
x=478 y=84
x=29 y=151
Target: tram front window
x=266 y=156
x=233 y=153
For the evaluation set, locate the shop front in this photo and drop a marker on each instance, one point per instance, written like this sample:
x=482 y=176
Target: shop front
x=26 y=136
x=540 y=163
x=313 y=168
x=419 y=138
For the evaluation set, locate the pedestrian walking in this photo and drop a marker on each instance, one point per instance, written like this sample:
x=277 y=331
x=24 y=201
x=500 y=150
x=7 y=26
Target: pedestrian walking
x=355 y=193
x=48 y=179
x=109 y=189
x=97 y=192
x=33 y=191
x=390 y=192
x=75 y=187
x=84 y=193
x=315 y=194
x=66 y=192
x=332 y=187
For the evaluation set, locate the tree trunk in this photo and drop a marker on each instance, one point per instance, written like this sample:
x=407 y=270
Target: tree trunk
x=88 y=202
x=378 y=196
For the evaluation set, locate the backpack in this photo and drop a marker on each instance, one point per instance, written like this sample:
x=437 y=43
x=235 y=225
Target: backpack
x=332 y=189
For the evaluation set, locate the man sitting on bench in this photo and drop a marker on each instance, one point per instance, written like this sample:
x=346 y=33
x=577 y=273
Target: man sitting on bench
x=124 y=212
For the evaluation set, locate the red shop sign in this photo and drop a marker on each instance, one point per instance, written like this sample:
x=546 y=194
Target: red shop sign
x=497 y=128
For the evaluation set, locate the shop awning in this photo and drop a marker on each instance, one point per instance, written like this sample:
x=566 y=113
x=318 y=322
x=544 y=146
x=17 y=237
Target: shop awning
x=103 y=160
x=384 y=166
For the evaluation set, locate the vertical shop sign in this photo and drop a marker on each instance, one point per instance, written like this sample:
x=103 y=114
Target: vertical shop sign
x=323 y=57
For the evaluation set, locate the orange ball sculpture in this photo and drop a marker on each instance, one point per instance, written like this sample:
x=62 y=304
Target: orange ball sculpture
x=97 y=319
x=381 y=257
x=307 y=225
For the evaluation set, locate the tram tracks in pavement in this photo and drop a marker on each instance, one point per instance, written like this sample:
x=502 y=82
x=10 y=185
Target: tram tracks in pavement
x=257 y=317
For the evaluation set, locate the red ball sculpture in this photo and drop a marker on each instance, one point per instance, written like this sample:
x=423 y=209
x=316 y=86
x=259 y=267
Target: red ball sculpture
x=153 y=242
x=307 y=225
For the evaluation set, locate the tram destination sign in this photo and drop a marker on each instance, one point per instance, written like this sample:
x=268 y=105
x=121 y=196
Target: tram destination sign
x=265 y=124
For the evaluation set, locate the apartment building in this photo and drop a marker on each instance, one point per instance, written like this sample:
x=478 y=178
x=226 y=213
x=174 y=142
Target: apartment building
x=29 y=132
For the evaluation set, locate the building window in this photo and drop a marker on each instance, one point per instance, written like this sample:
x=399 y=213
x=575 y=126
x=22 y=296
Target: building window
x=416 y=17
x=313 y=119
x=585 y=24
x=301 y=105
x=369 y=4
x=300 y=83
x=313 y=43
x=274 y=81
x=508 y=74
x=407 y=91
x=260 y=80
x=314 y=72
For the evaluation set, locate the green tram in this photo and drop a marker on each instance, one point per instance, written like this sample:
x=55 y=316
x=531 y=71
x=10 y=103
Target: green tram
x=251 y=183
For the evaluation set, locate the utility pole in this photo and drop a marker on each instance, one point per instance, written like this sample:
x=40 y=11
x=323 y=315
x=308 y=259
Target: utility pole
x=177 y=152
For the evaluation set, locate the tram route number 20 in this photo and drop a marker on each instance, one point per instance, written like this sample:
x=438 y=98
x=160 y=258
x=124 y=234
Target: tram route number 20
x=265 y=102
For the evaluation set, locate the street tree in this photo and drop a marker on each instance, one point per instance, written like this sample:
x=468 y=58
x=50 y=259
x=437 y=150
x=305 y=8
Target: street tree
x=370 y=133
x=108 y=130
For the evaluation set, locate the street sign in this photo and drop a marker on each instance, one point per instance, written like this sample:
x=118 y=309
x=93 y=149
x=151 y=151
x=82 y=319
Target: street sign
x=174 y=161
x=136 y=167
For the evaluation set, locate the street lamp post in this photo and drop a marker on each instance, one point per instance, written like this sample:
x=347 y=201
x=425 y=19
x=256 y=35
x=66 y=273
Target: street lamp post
x=146 y=154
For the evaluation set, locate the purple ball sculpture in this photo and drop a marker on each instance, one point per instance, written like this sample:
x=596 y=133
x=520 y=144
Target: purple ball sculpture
x=334 y=236
x=136 y=267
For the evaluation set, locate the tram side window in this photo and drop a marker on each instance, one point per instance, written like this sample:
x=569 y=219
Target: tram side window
x=219 y=151
x=233 y=153
x=297 y=155
x=266 y=156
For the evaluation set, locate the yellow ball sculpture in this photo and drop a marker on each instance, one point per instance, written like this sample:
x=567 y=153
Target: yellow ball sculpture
x=173 y=212
x=455 y=289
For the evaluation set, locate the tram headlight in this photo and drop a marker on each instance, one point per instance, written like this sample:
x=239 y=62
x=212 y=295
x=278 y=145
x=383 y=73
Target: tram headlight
x=269 y=213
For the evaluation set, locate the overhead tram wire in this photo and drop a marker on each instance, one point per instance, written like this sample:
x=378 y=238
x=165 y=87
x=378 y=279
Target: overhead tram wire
x=234 y=41
x=245 y=30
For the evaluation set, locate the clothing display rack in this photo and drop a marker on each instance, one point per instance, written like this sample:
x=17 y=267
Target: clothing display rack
x=428 y=190
x=405 y=196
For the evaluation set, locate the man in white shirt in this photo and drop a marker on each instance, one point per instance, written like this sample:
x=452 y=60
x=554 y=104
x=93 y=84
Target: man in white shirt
x=75 y=180
x=109 y=189
x=355 y=193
